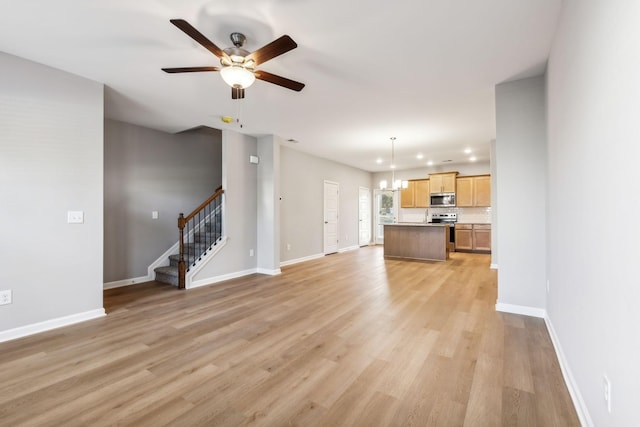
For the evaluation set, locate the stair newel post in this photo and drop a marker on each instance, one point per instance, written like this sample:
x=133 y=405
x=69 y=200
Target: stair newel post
x=182 y=269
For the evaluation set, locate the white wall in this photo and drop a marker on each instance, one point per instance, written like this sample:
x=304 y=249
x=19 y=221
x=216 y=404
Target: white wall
x=268 y=228
x=51 y=133
x=239 y=180
x=301 y=208
x=521 y=195
x=594 y=147
x=463 y=169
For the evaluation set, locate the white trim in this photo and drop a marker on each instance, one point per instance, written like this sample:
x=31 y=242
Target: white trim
x=221 y=278
x=126 y=282
x=47 y=325
x=572 y=386
x=324 y=215
x=269 y=272
x=349 y=248
x=521 y=309
x=188 y=280
x=298 y=260
x=493 y=266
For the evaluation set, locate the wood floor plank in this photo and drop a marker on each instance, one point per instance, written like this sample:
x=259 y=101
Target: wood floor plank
x=347 y=339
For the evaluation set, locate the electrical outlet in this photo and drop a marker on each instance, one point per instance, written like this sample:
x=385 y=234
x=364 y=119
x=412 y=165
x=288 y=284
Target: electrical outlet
x=547 y=285
x=607 y=391
x=5 y=297
x=75 y=217
x=154 y=214
x=288 y=246
x=250 y=252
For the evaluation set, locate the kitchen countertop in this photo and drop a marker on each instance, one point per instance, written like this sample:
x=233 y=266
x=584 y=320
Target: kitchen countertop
x=419 y=224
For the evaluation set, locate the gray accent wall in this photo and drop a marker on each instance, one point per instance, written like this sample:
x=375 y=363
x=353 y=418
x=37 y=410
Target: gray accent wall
x=521 y=192
x=51 y=157
x=147 y=170
x=302 y=205
x=593 y=82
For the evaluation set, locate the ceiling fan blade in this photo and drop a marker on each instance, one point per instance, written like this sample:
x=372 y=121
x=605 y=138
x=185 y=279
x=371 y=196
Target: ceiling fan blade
x=189 y=30
x=189 y=69
x=276 y=48
x=278 y=80
x=237 y=93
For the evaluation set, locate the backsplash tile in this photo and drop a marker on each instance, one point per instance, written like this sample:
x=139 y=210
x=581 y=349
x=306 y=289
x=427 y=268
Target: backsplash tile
x=465 y=215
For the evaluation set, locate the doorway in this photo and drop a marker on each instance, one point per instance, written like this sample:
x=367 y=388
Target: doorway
x=384 y=213
x=330 y=217
x=364 y=216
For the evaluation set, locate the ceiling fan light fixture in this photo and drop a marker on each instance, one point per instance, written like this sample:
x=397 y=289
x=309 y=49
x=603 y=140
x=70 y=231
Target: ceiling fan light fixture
x=237 y=76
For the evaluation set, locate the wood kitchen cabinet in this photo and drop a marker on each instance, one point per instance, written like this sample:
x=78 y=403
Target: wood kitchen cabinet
x=482 y=237
x=407 y=196
x=443 y=182
x=473 y=237
x=422 y=193
x=464 y=237
x=416 y=195
x=473 y=191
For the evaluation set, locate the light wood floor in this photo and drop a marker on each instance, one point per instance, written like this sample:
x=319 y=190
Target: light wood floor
x=349 y=339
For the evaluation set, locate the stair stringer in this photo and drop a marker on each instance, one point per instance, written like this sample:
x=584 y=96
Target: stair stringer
x=203 y=261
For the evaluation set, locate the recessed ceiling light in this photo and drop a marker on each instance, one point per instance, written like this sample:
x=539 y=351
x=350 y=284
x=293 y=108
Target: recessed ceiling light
x=472 y=158
x=429 y=163
x=392 y=166
x=378 y=160
x=419 y=156
x=467 y=151
x=292 y=140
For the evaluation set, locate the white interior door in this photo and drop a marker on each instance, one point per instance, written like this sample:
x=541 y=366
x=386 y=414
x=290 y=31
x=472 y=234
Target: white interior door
x=330 y=217
x=364 y=216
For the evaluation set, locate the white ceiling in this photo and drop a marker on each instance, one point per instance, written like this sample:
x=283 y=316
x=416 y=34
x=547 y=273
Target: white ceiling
x=423 y=71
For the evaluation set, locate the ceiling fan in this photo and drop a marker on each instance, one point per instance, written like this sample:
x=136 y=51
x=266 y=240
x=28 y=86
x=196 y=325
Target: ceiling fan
x=238 y=66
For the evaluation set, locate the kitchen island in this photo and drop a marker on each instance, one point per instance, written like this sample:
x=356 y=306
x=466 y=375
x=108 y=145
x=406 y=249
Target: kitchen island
x=416 y=241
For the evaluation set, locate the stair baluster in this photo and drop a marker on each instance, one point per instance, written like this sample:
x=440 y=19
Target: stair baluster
x=197 y=234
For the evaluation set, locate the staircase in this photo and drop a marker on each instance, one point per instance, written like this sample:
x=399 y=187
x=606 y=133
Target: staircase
x=200 y=232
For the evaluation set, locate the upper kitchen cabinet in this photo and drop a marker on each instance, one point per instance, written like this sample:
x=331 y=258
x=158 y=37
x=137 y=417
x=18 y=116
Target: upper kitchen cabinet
x=407 y=196
x=443 y=182
x=473 y=191
x=416 y=195
x=422 y=193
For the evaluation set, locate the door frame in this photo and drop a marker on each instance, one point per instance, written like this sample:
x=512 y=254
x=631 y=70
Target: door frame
x=376 y=210
x=324 y=217
x=360 y=189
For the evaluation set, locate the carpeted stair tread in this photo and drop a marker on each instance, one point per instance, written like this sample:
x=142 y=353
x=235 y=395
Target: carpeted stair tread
x=202 y=242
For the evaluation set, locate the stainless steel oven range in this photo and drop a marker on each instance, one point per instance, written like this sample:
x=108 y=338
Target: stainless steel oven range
x=450 y=218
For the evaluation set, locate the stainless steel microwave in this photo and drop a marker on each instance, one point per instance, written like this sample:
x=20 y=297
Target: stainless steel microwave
x=443 y=200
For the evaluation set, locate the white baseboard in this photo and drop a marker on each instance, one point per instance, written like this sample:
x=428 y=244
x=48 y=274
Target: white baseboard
x=521 y=309
x=298 y=260
x=127 y=282
x=574 y=391
x=268 y=272
x=348 y=248
x=221 y=278
x=493 y=266
x=47 y=325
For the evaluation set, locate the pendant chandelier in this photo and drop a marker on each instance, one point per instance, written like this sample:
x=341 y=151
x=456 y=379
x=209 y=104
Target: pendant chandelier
x=395 y=184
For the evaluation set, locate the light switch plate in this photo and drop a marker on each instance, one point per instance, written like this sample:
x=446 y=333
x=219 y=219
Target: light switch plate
x=154 y=215
x=75 y=217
